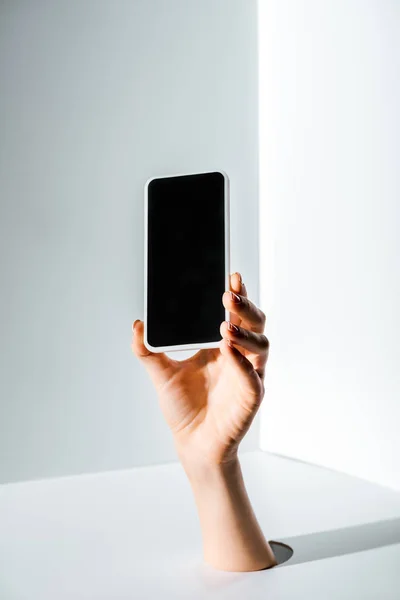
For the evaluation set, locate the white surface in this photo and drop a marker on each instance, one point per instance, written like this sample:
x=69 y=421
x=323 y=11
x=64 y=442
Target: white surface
x=96 y=97
x=135 y=534
x=330 y=216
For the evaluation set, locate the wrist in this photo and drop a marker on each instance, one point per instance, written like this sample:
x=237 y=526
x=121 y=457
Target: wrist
x=203 y=474
x=203 y=468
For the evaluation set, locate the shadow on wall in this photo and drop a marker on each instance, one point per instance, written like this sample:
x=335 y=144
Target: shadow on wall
x=328 y=544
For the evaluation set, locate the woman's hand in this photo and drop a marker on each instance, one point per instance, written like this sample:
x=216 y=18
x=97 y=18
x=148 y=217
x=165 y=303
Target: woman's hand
x=209 y=402
x=210 y=399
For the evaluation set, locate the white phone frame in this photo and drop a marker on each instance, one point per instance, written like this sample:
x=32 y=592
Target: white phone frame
x=227 y=260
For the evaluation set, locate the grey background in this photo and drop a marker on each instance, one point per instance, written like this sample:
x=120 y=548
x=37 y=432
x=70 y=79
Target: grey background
x=97 y=96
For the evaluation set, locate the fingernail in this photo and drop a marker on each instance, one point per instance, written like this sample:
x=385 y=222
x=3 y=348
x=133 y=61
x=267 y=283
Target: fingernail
x=233 y=328
x=240 y=277
x=134 y=324
x=235 y=298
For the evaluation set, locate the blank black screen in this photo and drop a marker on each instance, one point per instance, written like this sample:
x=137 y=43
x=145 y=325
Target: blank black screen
x=186 y=259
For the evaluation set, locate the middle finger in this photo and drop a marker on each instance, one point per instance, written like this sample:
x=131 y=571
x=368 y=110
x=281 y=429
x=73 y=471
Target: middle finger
x=257 y=343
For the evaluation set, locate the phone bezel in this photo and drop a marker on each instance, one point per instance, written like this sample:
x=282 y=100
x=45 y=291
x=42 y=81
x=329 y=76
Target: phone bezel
x=199 y=345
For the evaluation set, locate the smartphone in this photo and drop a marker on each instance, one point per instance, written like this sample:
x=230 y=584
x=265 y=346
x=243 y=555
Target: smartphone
x=186 y=260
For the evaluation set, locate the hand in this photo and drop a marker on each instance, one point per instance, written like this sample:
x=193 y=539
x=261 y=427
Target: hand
x=210 y=400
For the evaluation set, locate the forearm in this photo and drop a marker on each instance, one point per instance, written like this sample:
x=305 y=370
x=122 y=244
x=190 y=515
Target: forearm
x=232 y=537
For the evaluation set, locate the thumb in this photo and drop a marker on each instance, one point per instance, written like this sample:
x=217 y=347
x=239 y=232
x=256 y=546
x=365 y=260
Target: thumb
x=159 y=366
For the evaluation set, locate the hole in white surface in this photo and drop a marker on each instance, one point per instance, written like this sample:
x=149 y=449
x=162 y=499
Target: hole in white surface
x=282 y=552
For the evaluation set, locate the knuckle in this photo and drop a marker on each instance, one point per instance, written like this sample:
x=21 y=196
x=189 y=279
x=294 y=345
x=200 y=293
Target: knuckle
x=245 y=333
x=242 y=359
x=263 y=317
x=264 y=341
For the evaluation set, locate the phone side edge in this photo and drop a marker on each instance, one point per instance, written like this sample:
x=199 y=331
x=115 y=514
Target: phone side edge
x=146 y=191
x=227 y=235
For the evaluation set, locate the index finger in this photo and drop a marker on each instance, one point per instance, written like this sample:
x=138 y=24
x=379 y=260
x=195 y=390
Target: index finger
x=242 y=308
x=237 y=285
